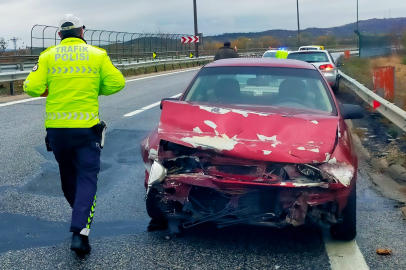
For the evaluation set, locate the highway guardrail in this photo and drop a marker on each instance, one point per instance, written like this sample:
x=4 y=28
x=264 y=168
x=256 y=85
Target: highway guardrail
x=21 y=75
x=389 y=110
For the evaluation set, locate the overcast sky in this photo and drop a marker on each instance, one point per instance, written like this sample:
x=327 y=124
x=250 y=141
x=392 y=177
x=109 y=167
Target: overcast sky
x=176 y=16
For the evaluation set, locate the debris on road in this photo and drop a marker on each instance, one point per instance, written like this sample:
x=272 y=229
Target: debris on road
x=383 y=252
x=403 y=209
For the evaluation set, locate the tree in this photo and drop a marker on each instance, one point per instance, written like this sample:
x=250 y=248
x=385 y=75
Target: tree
x=403 y=40
x=269 y=41
x=3 y=45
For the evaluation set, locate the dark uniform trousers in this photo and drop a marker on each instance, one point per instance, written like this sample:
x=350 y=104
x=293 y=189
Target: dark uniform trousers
x=77 y=151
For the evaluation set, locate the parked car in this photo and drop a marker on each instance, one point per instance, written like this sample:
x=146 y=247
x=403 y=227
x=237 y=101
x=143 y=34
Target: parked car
x=323 y=61
x=270 y=54
x=253 y=141
x=311 y=48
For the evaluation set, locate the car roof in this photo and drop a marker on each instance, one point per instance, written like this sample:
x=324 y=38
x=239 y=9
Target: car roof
x=311 y=46
x=260 y=62
x=271 y=50
x=315 y=51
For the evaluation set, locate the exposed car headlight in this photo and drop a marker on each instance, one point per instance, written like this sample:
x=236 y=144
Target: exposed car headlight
x=157 y=173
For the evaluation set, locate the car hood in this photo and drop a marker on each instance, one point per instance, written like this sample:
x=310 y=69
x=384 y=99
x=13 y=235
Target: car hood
x=298 y=138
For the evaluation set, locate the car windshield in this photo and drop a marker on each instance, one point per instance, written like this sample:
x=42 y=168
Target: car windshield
x=262 y=86
x=310 y=57
x=270 y=54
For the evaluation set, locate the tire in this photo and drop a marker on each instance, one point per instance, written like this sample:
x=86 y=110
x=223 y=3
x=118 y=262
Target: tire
x=347 y=230
x=336 y=87
x=153 y=210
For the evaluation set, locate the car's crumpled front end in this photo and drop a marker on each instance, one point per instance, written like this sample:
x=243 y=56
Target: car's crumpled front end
x=231 y=166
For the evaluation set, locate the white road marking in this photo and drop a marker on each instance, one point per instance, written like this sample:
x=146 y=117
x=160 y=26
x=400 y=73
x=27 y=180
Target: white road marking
x=148 y=107
x=133 y=80
x=344 y=254
x=19 y=101
x=160 y=75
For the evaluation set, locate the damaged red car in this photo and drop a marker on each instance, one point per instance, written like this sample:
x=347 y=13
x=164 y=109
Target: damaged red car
x=254 y=141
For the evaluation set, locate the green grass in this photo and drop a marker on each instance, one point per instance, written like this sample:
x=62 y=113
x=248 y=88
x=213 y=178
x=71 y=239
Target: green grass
x=5 y=88
x=359 y=69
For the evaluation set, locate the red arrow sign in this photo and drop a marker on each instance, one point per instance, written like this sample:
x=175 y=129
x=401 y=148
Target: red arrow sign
x=376 y=104
x=189 y=39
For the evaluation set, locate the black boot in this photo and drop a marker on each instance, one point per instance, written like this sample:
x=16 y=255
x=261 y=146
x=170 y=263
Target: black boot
x=80 y=243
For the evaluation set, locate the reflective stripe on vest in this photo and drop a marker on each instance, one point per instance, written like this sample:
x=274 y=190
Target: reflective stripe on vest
x=71 y=116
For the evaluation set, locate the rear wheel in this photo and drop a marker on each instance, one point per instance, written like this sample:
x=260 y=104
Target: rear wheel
x=347 y=230
x=153 y=210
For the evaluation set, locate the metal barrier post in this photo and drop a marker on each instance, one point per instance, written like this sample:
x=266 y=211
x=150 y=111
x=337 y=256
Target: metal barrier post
x=21 y=66
x=12 y=88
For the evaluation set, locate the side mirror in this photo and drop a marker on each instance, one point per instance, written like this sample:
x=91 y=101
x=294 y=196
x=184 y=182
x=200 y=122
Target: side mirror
x=349 y=111
x=160 y=106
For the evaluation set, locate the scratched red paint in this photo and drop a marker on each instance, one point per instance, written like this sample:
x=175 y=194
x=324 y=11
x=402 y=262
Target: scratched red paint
x=384 y=79
x=299 y=138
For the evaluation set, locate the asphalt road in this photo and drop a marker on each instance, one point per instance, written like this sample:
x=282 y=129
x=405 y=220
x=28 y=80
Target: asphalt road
x=34 y=216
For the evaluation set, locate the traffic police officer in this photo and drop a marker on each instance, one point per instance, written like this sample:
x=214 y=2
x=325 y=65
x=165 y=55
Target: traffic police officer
x=72 y=75
x=281 y=53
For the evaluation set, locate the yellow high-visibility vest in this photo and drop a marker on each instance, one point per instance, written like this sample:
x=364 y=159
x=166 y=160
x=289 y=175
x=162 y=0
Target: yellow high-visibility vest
x=75 y=74
x=281 y=54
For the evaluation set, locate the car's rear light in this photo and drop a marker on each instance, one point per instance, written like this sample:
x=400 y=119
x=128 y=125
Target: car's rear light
x=326 y=67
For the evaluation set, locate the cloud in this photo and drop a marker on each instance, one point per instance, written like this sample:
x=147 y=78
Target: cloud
x=176 y=16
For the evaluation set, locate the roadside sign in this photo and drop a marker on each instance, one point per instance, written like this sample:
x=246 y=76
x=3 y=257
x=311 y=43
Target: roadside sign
x=189 y=39
x=191 y=55
x=153 y=55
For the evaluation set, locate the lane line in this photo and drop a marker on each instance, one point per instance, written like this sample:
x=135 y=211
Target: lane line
x=133 y=80
x=160 y=75
x=148 y=107
x=344 y=254
x=19 y=101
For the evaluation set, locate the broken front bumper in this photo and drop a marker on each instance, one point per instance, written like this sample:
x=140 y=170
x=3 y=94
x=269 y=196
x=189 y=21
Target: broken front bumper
x=195 y=198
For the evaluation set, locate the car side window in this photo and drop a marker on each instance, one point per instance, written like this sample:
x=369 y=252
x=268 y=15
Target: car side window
x=331 y=57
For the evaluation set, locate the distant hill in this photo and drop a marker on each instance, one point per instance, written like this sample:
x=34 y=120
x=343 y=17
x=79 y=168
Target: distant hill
x=372 y=26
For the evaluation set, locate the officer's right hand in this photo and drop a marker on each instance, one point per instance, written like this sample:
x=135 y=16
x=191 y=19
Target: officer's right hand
x=45 y=94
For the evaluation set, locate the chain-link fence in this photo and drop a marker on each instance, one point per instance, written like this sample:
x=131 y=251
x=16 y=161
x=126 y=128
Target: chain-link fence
x=375 y=45
x=114 y=42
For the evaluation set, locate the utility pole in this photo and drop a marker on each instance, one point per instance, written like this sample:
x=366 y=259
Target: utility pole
x=196 y=32
x=298 y=24
x=14 y=40
x=357 y=17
